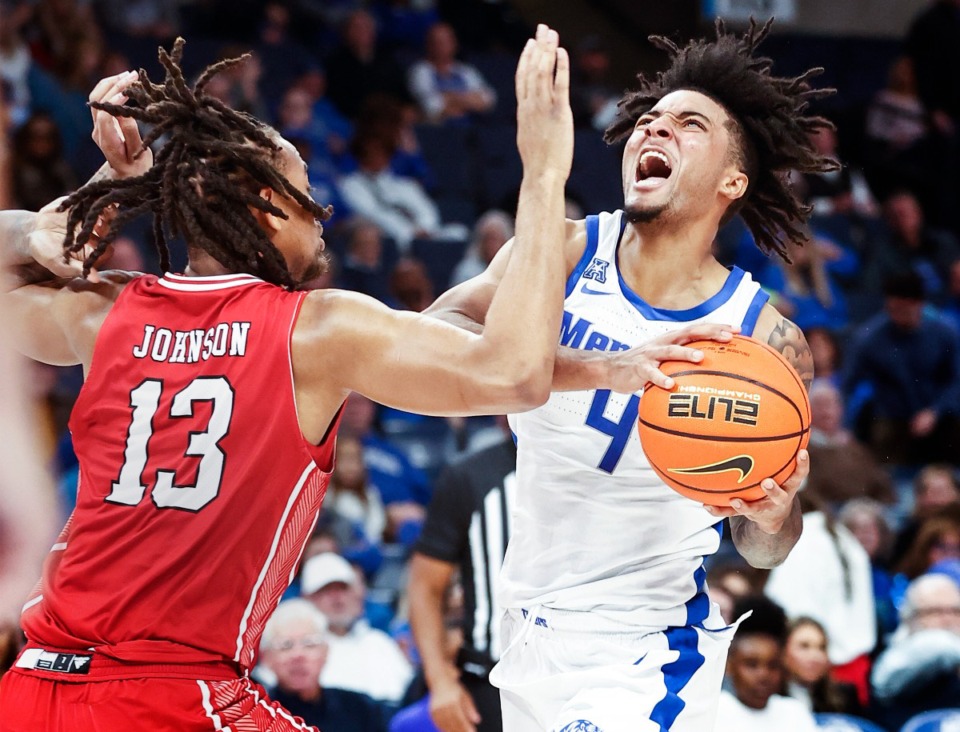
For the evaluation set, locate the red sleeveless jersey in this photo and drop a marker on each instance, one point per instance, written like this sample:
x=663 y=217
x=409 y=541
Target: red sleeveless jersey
x=197 y=490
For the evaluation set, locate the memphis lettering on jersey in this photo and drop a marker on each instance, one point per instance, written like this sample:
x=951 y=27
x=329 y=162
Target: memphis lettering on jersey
x=580 y=333
x=193 y=346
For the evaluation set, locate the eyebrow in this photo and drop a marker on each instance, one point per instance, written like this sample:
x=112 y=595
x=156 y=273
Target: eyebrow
x=687 y=113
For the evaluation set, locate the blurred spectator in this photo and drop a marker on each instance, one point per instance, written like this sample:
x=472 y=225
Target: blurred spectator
x=840 y=467
x=296 y=119
x=239 y=86
x=352 y=496
x=827 y=577
x=935 y=488
x=912 y=361
x=398 y=205
x=806 y=289
x=937 y=540
x=843 y=191
x=283 y=58
x=447 y=90
x=389 y=467
x=864 y=517
x=466 y=530
x=807 y=667
x=911 y=245
x=825 y=349
x=294 y=647
x=361 y=658
x=40 y=173
x=897 y=149
x=15 y=59
x=154 y=20
x=363 y=267
x=755 y=673
x=337 y=129
x=395 y=121
x=920 y=670
x=730 y=581
x=492 y=230
x=68 y=36
x=932 y=44
x=405 y=23
x=592 y=96
x=358 y=69
x=410 y=285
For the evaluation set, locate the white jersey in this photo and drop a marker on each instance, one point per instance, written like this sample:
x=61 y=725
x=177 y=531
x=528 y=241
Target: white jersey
x=594 y=528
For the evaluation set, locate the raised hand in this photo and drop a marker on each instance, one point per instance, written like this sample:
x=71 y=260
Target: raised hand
x=544 y=118
x=118 y=137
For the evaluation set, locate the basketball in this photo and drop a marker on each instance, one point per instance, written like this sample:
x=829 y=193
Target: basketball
x=732 y=420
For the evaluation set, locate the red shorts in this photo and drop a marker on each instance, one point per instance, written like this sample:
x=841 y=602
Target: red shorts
x=29 y=703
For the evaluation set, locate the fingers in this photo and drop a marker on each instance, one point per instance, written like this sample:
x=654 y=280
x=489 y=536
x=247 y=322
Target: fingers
x=702 y=331
x=112 y=85
x=523 y=67
x=547 y=43
x=543 y=67
x=561 y=83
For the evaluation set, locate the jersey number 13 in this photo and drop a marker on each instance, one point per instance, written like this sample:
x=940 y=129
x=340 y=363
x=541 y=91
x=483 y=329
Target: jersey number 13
x=129 y=487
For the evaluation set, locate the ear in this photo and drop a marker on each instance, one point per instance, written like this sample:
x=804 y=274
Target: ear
x=734 y=184
x=271 y=223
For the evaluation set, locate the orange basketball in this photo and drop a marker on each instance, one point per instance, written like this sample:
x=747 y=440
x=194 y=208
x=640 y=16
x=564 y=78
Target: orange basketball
x=732 y=420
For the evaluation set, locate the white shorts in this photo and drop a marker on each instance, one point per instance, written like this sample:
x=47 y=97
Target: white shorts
x=567 y=671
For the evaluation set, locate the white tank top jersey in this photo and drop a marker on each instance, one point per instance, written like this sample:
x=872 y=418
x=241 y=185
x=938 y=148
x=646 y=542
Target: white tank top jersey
x=594 y=528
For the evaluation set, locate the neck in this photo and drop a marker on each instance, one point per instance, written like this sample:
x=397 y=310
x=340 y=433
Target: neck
x=671 y=267
x=310 y=695
x=201 y=264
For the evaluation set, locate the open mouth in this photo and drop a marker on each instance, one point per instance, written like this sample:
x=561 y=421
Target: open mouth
x=653 y=165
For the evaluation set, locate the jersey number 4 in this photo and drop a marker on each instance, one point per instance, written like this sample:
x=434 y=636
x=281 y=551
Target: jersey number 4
x=129 y=487
x=619 y=432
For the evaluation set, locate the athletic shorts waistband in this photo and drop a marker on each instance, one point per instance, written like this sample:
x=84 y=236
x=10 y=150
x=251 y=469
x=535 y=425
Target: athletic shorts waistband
x=79 y=666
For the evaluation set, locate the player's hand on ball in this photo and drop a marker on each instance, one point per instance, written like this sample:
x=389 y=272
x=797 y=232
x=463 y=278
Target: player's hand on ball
x=630 y=371
x=775 y=507
x=544 y=117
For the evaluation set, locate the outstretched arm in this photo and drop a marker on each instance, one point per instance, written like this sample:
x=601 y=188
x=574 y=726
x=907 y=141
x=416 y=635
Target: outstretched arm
x=421 y=364
x=764 y=531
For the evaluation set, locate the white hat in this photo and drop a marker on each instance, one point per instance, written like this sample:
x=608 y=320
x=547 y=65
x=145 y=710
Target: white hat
x=325 y=569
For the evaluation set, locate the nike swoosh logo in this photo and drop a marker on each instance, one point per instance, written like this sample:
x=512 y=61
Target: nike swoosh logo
x=587 y=291
x=743 y=464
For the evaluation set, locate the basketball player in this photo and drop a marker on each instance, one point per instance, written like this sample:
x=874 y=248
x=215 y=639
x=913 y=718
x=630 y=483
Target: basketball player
x=607 y=624
x=205 y=428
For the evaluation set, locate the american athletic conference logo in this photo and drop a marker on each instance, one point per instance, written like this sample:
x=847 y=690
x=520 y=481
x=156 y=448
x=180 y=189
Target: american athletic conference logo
x=597 y=271
x=581 y=725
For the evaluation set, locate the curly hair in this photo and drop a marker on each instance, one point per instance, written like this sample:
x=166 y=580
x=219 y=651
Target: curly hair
x=204 y=180
x=769 y=128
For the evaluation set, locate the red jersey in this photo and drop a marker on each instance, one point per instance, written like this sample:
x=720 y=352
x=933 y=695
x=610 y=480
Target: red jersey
x=197 y=489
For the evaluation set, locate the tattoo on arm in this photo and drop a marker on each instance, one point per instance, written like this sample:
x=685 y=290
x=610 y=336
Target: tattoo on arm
x=788 y=339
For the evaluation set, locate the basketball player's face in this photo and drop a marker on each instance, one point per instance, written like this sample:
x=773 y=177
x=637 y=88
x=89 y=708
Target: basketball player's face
x=675 y=158
x=300 y=239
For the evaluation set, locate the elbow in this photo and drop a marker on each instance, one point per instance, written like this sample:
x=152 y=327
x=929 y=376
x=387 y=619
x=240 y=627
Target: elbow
x=531 y=393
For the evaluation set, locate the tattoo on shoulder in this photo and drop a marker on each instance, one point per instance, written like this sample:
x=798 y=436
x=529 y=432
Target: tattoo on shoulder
x=788 y=339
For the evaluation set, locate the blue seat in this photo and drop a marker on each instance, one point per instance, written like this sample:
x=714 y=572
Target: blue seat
x=845 y=723
x=938 y=720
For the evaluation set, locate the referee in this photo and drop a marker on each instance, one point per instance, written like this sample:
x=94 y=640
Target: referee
x=467 y=527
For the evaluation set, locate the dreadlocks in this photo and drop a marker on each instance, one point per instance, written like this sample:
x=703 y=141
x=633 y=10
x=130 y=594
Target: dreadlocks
x=769 y=127
x=204 y=180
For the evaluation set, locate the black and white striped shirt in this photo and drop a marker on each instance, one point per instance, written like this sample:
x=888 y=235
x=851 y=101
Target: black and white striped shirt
x=468 y=524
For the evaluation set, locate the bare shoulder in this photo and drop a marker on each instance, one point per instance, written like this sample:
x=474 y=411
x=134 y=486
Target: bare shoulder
x=784 y=335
